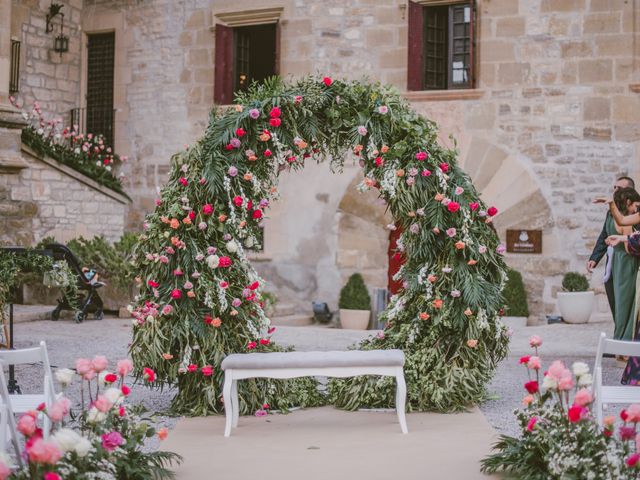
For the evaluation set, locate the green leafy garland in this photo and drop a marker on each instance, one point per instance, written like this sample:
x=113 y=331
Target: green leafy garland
x=201 y=299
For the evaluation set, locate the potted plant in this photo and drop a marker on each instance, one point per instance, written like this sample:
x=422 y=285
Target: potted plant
x=576 y=301
x=355 y=304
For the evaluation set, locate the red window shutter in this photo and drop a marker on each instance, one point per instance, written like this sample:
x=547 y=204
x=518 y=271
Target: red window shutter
x=223 y=77
x=276 y=68
x=415 y=46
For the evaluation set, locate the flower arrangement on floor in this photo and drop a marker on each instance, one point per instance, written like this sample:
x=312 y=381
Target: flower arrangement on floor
x=104 y=440
x=86 y=153
x=201 y=299
x=560 y=438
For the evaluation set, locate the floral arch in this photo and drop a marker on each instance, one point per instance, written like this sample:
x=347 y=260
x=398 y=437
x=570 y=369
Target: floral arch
x=200 y=298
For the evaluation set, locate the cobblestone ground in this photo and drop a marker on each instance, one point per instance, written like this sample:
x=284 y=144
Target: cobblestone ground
x=67 y=341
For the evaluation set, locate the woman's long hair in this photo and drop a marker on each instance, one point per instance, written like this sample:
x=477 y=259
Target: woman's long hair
x=623 y=196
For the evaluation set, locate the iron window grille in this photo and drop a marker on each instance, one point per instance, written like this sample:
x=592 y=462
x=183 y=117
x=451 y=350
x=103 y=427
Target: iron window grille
x=14 y=74
x=98 y=117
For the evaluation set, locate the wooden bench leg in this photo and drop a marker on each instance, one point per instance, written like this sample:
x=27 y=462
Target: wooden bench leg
x=401 y=395
x=236 y=406
x=228 y=401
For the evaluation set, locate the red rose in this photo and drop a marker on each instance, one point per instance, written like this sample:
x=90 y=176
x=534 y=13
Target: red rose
x=474 y=206
x=207 y=370
x=240 y=132
x=492 y=211
x=524 y=360
x=531 y=387
x=153 y=284
x=176 y=293
x=110 y=378
x=125 y=390
x=575 y=413
x=275 y=122
x=257 y=214
x=327 y=81
x=251 y=345
x=254 y=285
x=444 y=167
x=275 y=112
x=264 y=341
x=192 y=368
x=148 y=374
x=267 y=153
x=237 y=200
x=224 y=262
x=453 y=207
x=183 y=181
x=207 y=209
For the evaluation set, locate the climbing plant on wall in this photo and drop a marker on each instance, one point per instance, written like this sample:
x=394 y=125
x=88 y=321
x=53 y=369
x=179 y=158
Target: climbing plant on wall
x=200 y=298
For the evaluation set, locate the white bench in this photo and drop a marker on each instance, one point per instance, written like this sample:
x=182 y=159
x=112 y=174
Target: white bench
x=307 y=364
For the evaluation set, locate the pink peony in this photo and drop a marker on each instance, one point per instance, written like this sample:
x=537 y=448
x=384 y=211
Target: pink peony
x=59 y=409
x=99 y=363
x=27 y=425
x=583 y=397
x=102 y=404
x=83 y=366
x=566 y=381
x=535 y=341
x=111 y=441
x=44 y=451
x=124 y=367
x=557 y=369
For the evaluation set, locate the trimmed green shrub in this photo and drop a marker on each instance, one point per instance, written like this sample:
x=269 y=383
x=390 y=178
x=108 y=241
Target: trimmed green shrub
x=354 y=295
x=515 y=295
x=575 y=282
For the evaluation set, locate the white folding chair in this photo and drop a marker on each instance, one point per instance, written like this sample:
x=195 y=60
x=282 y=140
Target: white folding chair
x=24 y=403
x=8 y=428
x=619 y=393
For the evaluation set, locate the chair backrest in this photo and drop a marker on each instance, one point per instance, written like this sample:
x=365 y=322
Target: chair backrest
x=31 y=355
x=617 y=347
x=7 y=419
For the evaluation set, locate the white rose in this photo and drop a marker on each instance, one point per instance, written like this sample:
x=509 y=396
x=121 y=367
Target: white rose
x=232 y=246
x=96 y=416
x=114 y=395
x=83 y=446
x=66 y=439
x=580 y=368
x=64 y=376
x=585 y=380
x=213 y=261
x=549 y=383
x=249 y=242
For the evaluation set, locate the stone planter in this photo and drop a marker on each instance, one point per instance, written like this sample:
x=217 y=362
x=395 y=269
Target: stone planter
x=354 y=319
x=576 y=307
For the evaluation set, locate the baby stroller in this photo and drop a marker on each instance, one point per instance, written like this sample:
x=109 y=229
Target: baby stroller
x=88 y=298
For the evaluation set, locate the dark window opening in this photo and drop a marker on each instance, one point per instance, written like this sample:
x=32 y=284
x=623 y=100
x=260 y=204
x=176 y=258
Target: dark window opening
x=14 y=75
x=254 y=53
x=99 y=115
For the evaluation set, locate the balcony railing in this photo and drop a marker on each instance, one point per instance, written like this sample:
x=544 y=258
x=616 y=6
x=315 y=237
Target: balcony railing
x=14 y=73
x=96 y=121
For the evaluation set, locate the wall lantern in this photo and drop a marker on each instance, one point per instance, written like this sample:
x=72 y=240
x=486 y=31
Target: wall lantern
x=61 y=42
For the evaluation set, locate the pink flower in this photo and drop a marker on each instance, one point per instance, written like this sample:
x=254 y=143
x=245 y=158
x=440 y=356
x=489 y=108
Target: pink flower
x=27 y=425
x=99 y=363
x=275 y=112
x=124 y=367
x=534 y=363
x=207 y=370
x=492 y=211
x=102 y=404
x=59 y=409
x=251 y=345
x=474 y=206
x=261 y=413
x=275 y=122
x=453 y=207
x=420 y=156
x=583 y=397
x=254 y=113
x=566 y=381
x=444 y=167
x=532 y=423
x=5 y=471
x=557 y=369
x=426 y=173
x=633 y=413
x=207 y=209
x=233 y=171
x=148 y=374
x=627 y=433
x=633 y=460
x=51 y=476
x=111 y=441
x=577 y=413
x=83 y=366
x=362 y=130
x=535 y=341
x=451 y=232
x=176 y=294
x=327 y=81
x=44 y=451
x=167 y=309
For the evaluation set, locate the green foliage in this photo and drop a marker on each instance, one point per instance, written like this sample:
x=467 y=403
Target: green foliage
x=233 y=171
x=575 y=282
x=354 y=295
x=515 y=295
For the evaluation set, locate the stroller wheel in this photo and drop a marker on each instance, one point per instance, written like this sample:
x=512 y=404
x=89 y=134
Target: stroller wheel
x=99 y=315
x=55 y=315
x=80 y=317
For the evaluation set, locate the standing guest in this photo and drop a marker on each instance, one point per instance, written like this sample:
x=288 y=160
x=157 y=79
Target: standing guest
x=601 y=248
x=625 y=266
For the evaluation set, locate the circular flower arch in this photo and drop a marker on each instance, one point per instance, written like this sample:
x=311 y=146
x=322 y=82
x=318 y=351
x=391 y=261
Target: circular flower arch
x=200 y=298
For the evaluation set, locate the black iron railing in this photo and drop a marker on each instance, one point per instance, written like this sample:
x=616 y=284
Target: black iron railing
x=14 y=73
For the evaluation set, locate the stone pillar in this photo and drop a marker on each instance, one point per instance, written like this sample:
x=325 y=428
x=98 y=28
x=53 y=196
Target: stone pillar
x=5 y=49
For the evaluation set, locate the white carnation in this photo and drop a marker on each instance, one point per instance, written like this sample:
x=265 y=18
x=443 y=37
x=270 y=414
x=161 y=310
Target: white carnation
x=580 y=368
x=114 y=395
x=66 y=439
x=83 y=446
x=549 y=383
x=96 y=416
x=213 y=261
x=585 y=380
x=232 y=246
x=64 y=376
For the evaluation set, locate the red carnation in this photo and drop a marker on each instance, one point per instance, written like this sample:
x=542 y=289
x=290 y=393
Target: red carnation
x=249 y=205
x=474 y=206
x=251 y=345
x=183 y=181
x=148 y=374
x=453 y=207
x=224 y=262
x=110 y=377
x=525 y=359
x=575 y=413
x=254 y=285
x=633 y=460
x=176 y=293
x=379 y=161
x=327 y=81
x=267 y=153
x=624 y=415
x=444 y=167
x=275 y=112
x=207 y=209
x=192 y=368
x=492 y=211
x=240 y=132
x=208 y=319
x=153 y=284
x=531 y=387
x=192 y=215
x=228 y=147
x=257 y=214
x=237 y=200
x=275 y=122
x=207 y=370
x=420 y=156
x=125 y=390
x=264 y=341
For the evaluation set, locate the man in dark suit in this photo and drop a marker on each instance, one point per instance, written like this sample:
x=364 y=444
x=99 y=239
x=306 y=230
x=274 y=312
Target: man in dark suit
x=601 y=248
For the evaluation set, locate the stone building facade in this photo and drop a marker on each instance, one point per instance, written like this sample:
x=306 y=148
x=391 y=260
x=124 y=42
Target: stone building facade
x=553 y=118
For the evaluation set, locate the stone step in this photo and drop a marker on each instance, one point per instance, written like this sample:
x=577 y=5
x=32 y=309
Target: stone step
x=31 y=313
x=283 y=309
x=295 y=320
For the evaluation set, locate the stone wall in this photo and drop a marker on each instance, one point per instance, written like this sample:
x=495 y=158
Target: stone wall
x=48 y=77
x=45 y=198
